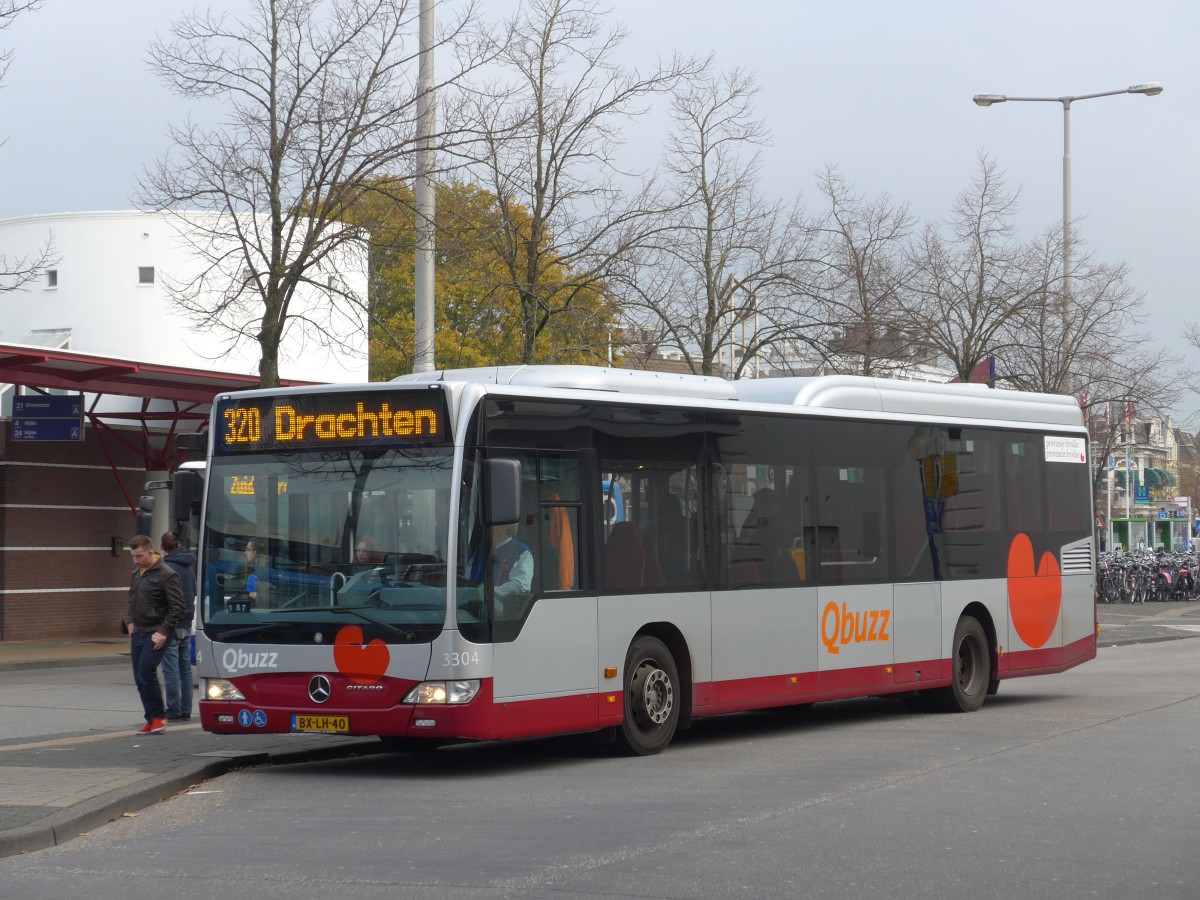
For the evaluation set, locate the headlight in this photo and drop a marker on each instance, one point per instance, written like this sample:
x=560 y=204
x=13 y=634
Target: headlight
x=220 y=689
x=442 y=692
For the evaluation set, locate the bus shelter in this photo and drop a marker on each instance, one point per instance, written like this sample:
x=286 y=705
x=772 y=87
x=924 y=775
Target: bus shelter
x=68 y=496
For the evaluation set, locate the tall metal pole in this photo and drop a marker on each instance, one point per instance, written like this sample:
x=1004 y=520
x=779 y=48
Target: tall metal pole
x=1066 y=228
x=1108 y=521
x=423 y=315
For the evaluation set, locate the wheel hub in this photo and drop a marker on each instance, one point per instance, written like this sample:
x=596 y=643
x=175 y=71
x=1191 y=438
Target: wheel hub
x=658 y=695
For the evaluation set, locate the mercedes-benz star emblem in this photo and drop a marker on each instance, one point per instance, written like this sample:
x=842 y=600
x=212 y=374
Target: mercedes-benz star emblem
x=318 y=688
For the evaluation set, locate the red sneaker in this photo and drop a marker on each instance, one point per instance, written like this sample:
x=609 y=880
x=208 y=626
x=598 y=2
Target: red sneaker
x=154 y=726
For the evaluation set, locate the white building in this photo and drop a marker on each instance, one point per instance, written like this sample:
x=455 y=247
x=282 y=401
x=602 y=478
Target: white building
x=66 y=504
x=108 y=294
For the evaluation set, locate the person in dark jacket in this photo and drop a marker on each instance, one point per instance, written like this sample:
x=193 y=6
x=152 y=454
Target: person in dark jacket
x=155 y=611
x=177 y=659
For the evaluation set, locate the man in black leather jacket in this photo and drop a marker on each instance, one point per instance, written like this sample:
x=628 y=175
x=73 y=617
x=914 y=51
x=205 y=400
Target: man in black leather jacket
x=156 y=608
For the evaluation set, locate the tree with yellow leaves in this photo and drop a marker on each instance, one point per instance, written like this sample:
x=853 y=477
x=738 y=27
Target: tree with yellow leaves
x=477 y=311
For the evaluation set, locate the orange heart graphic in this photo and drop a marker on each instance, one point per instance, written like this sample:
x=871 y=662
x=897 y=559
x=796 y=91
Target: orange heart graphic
x=1034 y=598
x=361 y=663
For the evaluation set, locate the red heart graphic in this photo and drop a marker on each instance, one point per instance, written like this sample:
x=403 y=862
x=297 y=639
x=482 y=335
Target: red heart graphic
x=361 y=663
x=1034 y=598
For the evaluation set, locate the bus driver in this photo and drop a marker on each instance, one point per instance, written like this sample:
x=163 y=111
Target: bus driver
x=512 y=566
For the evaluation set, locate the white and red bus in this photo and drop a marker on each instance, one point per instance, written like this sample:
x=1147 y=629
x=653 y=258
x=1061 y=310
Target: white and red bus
x=699 y=546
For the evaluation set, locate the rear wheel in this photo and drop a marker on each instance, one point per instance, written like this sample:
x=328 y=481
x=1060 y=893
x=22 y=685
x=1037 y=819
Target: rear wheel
x=971 y=668
x=652 y=698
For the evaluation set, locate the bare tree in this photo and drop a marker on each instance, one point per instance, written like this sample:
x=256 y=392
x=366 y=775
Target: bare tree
x=1071 y=344
x=319 y=100
x=549 y=125
x=721 y=271
x=18 y=271
x=1192 y=335
x=9 y=10
x=971 y=275
x=860 y=289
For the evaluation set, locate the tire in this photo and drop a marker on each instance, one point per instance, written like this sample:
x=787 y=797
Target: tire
x=652 y=699
x=971 y=668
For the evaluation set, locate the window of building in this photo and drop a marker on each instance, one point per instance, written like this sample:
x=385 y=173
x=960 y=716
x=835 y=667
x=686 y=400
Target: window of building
x=51 y=278
x=145 y=274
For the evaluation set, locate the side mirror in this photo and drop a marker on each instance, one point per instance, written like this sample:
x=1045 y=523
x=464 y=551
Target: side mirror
x=192 y=442
x=145 y=513
x=501 y=491
x=187 y=490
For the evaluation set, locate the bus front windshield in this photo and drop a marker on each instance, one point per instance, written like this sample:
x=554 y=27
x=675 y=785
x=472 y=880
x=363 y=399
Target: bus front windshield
x=295 y=544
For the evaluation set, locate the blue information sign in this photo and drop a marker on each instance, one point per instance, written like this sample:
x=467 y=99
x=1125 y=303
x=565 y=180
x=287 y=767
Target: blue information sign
x=42 y=406
x=1141 y=493
x=47 y=430
x=38 y=417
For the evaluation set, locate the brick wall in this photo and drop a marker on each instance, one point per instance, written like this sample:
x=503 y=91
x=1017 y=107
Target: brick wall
x=60 y=508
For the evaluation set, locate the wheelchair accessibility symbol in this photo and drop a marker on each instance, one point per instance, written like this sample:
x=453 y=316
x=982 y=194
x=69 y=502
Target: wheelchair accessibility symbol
x=256 y=717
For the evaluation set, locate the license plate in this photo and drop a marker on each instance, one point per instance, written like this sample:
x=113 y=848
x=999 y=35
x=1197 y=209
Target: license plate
x=321 y=724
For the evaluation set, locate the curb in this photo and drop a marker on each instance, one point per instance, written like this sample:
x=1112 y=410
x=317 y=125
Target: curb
x=70 y=662
x=60 y=827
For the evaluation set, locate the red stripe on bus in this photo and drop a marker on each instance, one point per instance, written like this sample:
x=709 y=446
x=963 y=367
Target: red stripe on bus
x=488 y=719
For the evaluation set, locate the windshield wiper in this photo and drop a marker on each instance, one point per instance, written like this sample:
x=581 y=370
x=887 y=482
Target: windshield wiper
x=358 y=611
x=255 y=629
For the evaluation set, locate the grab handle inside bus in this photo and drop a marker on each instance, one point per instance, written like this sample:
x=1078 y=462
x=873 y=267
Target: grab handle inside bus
x=501 y=491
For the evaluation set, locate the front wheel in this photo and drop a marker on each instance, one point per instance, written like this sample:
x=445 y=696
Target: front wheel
x=652 y=698
x=971 y=664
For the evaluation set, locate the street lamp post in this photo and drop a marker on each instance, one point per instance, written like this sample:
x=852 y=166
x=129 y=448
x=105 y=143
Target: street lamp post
x=732 y=282
x=1150 y=89
x=424 y=316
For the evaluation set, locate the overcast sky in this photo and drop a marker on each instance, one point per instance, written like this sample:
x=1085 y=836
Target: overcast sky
x=882 y=89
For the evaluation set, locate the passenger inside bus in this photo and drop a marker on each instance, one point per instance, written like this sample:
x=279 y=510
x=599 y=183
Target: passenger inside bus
x=367 y=552
x=251 y=567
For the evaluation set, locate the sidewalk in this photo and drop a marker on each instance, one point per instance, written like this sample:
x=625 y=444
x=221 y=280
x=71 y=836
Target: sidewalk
x=70 y=762
x=49 y=654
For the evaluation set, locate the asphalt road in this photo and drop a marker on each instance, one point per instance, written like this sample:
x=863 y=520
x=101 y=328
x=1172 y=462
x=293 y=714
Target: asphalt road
x=1130 y=623
x=1082 y=784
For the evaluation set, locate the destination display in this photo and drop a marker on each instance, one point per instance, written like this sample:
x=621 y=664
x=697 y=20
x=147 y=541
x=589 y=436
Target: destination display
x=351 y=419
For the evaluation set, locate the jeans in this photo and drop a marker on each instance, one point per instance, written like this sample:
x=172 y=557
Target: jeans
x=145 y=673
x=177 y=674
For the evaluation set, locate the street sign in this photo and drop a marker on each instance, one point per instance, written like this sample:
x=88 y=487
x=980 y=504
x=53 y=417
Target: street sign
x=1112 y=464
x=47 y=430
x=1141 y=494
x=42 y=406
x=39 y=417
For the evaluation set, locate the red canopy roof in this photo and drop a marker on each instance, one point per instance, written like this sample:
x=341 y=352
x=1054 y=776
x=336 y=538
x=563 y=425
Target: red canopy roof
x=67 y=370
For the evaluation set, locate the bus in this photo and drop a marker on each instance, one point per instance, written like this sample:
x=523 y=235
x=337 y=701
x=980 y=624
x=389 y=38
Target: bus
x=780 y=542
